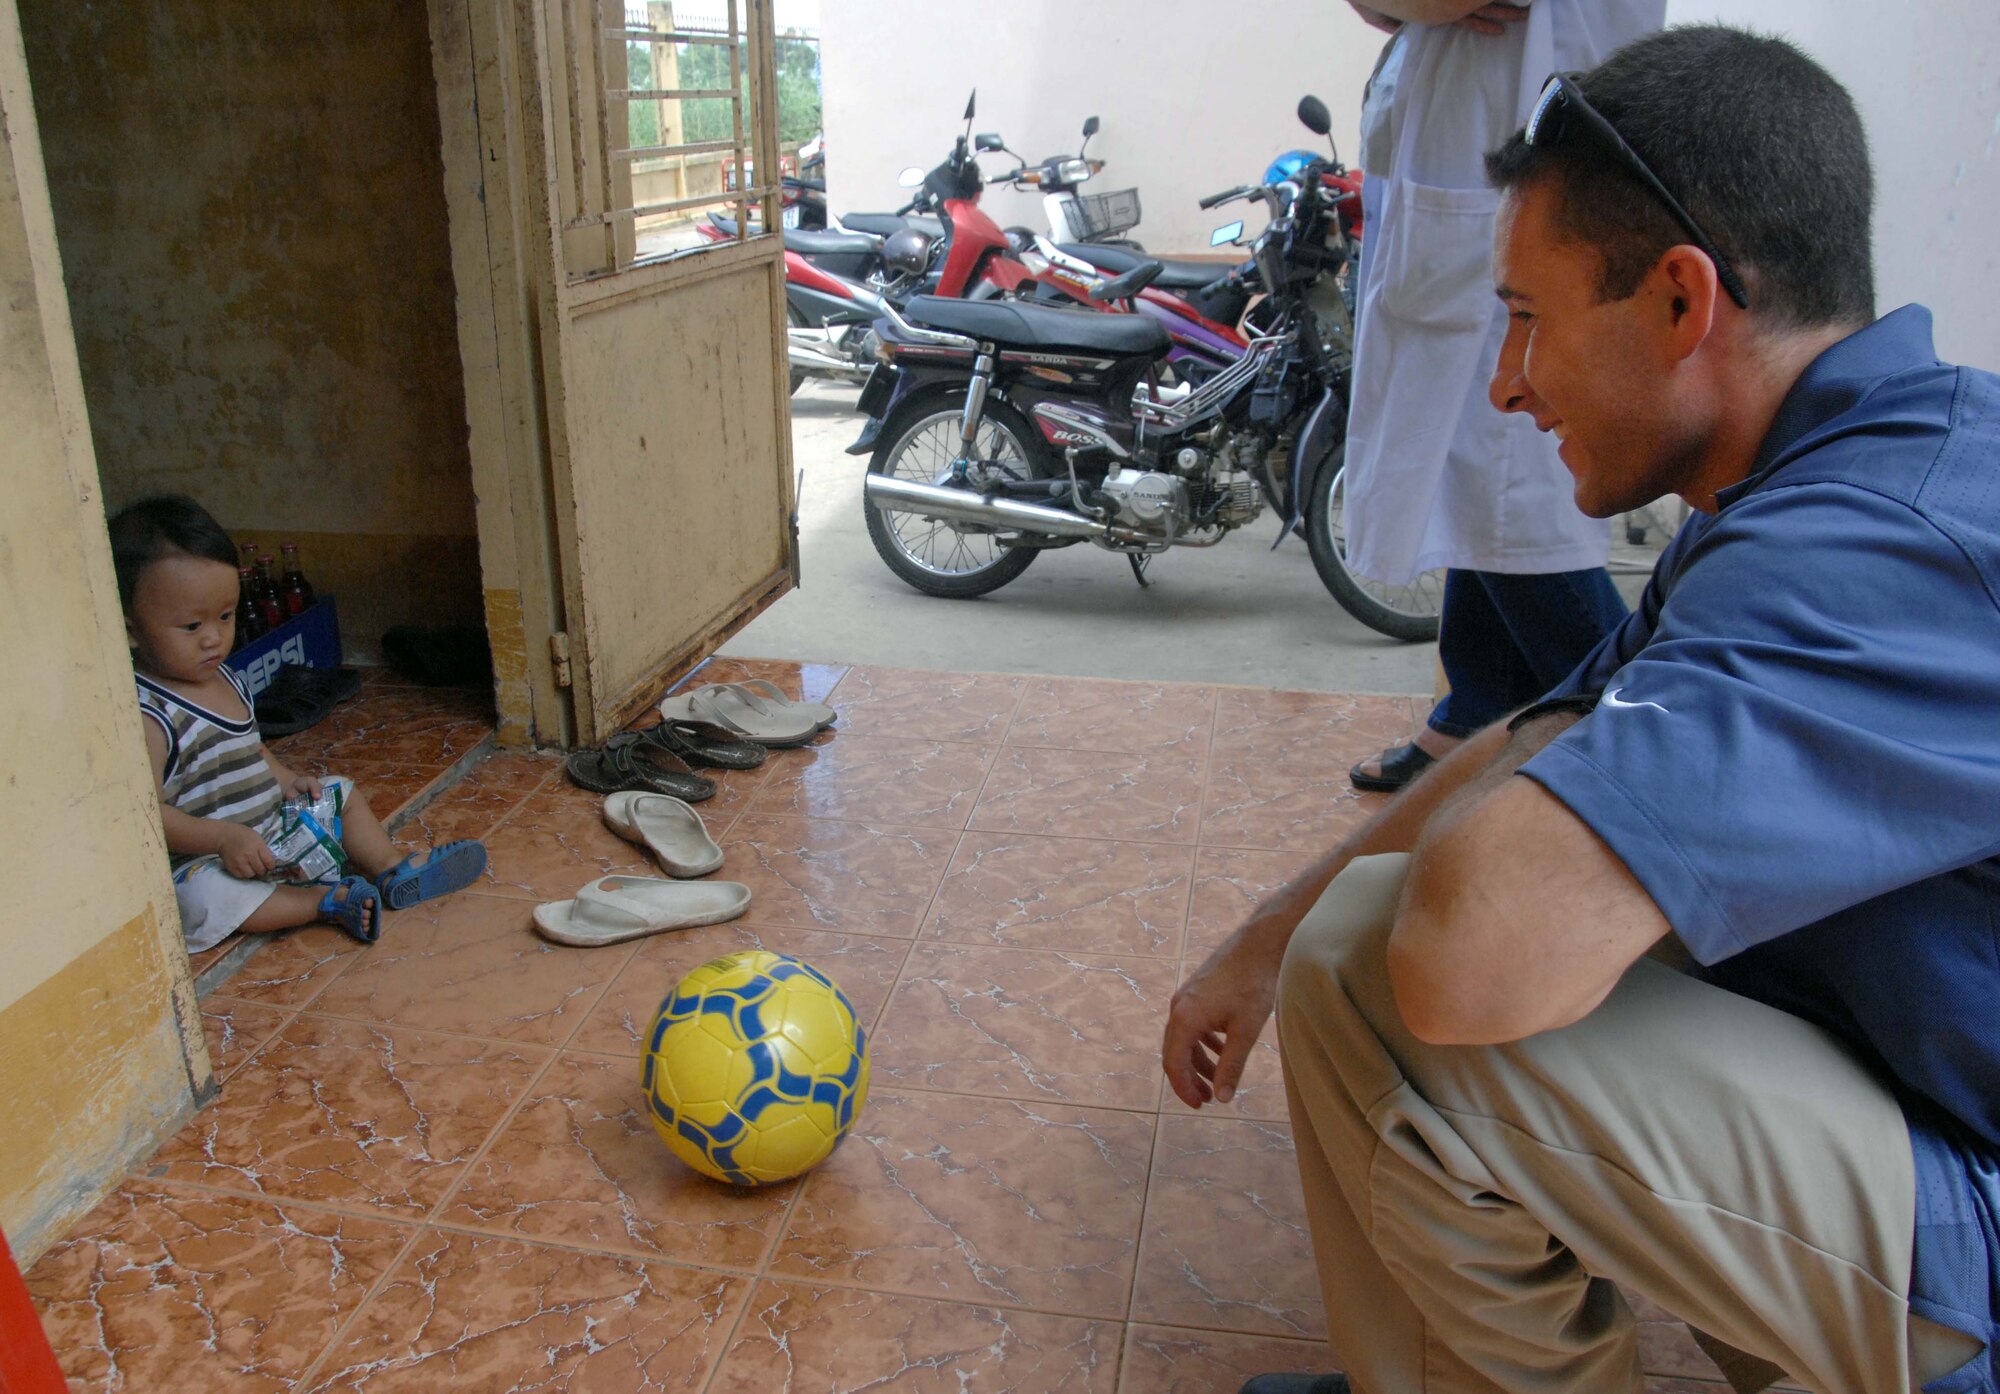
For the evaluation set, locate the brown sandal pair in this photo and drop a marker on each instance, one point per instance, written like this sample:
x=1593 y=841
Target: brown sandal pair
x=630 y=761
x=699 y=743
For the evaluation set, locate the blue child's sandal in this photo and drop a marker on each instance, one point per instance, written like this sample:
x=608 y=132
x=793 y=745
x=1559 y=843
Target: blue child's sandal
x=359 y=912
x=451 y=867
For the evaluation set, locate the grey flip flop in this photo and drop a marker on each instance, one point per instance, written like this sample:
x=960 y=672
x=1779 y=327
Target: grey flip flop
x=667 y=827
x=613 y=909
x=748 y=714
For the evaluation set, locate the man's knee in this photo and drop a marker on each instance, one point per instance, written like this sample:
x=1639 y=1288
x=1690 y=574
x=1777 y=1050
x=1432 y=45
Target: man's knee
x=1338 y=958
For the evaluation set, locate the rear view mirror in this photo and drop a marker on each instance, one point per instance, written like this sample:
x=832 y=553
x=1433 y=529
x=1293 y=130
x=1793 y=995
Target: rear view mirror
x=1089 y=127
x=986 y=140
x=1227 y=234
x=1314 y=115
x=910 y=178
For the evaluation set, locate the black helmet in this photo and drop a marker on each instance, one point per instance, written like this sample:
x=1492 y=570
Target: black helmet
x=907 y=252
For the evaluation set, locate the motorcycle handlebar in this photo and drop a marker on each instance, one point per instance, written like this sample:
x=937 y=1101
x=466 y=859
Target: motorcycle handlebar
x=1228 y=280
x=1213 y=199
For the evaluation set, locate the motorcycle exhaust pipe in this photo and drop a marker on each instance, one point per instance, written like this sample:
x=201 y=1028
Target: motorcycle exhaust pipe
x=959 y=506
x=813 y=360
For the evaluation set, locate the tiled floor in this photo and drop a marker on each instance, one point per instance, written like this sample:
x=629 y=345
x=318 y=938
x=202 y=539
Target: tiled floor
x=428 y=1168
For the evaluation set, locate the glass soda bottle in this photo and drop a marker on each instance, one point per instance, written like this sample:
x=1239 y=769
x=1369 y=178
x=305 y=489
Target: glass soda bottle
x=268 y=603
x=293 y=587
x=249 y=617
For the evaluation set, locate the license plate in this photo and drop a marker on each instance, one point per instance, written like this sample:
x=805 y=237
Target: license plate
x=875 y=393
x=790 y=217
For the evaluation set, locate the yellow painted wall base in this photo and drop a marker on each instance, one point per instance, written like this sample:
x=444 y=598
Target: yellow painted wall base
x=509 y=641
x=93 y=1075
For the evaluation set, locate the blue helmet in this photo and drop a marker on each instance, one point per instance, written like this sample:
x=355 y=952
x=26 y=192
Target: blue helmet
x=1289 y=165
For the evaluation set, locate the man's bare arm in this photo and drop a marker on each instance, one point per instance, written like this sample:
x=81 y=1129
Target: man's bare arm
x=1516 y=918
x=1217 y=1014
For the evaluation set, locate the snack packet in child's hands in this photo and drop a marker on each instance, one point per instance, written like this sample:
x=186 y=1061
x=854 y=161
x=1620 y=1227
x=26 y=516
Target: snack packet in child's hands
x=308 y=842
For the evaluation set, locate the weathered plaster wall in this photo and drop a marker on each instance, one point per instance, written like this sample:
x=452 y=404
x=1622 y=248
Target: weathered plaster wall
x=100 y=1043
x=252 y=216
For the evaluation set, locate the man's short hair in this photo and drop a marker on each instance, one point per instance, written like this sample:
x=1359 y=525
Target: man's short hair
x=163 y=526
x=1759 y=143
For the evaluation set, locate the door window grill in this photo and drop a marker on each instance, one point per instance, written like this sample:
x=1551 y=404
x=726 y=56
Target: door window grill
x=662 y=105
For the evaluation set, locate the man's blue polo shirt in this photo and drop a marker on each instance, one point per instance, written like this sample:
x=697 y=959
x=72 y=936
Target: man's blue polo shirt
x=1798 y=755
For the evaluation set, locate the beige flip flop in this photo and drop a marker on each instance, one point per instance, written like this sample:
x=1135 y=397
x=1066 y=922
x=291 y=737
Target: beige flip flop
x=775 y=695
x=749 y=714
x=665 y=826
x=613 y=909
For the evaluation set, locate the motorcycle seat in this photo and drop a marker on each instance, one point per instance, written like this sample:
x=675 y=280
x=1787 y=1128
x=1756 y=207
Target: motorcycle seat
x=1175 y=275
x=888 y=224
x=814 y=244
x=1020 y=325
x=820 y=244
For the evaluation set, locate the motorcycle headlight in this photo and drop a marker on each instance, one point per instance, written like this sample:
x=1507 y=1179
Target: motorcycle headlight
x=1075 y=171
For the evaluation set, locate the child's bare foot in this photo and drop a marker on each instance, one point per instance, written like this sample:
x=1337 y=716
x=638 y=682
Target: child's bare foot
x=353 y=905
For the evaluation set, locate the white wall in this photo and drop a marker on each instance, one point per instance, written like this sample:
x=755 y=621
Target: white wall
x=1926 y=75
x=1197 y=95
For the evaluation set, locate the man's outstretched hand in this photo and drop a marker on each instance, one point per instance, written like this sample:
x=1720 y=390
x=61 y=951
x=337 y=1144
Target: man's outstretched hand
x=1215 y=1018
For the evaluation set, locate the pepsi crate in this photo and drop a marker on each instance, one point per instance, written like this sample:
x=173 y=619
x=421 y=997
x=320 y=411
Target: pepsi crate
x=311 y=639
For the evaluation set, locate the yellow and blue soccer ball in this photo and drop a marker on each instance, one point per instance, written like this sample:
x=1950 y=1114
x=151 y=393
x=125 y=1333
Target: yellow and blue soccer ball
x=755 y=1068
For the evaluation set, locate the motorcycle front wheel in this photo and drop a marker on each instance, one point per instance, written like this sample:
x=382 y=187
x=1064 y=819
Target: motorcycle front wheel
x=930 y=554
x=1409 y=612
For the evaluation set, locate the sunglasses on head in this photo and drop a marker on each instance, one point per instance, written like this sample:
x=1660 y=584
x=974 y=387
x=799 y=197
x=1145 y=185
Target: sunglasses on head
x=1561 y=105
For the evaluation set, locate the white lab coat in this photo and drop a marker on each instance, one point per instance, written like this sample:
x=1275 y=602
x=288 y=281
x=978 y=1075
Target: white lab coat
x=1436 y=476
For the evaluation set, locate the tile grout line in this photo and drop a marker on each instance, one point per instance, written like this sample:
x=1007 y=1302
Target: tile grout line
x=451 y=1191
x=1201 y=817
x=782 y=1228
x=1075 y=677
x=937 y=891
x=424 y=1225
x=778 y=1230
x=418 y=1226
x=1145 y=1211
x=339 y=1335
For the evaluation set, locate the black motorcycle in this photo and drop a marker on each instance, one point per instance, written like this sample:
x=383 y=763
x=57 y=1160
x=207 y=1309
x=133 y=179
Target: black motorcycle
x=1001 y=429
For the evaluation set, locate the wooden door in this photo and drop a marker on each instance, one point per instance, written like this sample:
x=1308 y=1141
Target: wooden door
x=662 y=358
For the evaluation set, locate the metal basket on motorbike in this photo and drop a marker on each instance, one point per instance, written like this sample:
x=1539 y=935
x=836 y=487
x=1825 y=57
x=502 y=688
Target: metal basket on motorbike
x=1107 y=215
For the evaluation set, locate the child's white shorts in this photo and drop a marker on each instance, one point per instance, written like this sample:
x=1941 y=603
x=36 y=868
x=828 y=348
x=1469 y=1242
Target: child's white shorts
x=215 y=904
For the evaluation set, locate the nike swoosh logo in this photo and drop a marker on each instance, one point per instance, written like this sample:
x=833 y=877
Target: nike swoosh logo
x=1611 y=700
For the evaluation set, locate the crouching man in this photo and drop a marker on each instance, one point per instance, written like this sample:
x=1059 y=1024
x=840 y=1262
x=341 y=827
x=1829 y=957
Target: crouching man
x=1509 y=1106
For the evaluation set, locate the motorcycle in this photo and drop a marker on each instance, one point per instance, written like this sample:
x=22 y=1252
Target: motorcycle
x=830 y=312
x=999 y=430
x=802 y=196
x=1075 y=216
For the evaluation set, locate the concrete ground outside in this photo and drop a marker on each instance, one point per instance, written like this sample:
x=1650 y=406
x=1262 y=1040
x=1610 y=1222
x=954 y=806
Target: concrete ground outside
x=1237 y=613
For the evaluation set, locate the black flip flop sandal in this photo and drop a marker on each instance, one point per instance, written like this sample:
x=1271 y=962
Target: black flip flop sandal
x=606 y=771
x=1400 y=765
x=627 y=762
x=699 y=743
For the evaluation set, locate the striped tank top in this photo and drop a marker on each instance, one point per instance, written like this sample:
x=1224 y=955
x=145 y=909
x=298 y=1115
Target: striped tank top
x=215 y=766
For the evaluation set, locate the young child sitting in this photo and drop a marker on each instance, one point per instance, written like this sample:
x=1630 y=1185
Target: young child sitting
x=222 y=793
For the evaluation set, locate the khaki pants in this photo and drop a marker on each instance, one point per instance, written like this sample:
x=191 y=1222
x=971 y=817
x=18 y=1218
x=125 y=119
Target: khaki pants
x=1473 y=1207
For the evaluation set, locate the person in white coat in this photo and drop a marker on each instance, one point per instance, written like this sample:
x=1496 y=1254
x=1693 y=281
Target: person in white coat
x=1435 y=476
